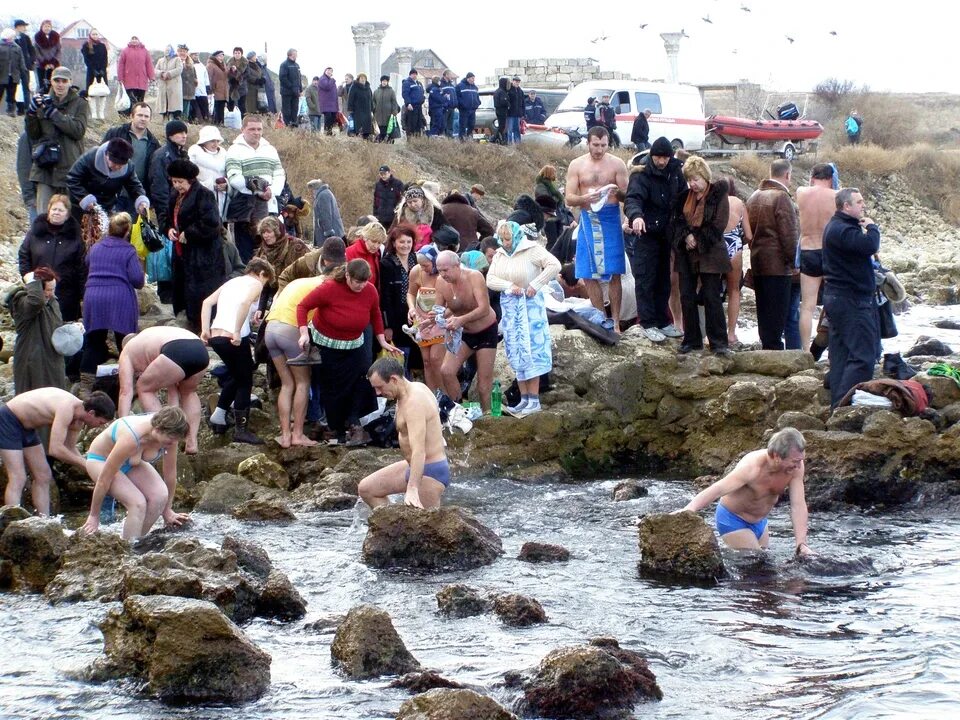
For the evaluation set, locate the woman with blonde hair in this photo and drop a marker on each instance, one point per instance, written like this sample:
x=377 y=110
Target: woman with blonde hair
x=421 y=297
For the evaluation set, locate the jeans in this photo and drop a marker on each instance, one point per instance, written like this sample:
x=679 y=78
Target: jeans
x=468 y=120
x=791 y=331
x=513 y=130
x=854 y=337
x=651 y=273
x=316 y=122
x=773 y=308
x=238 y=383
x=315 y=404
x=290 y=104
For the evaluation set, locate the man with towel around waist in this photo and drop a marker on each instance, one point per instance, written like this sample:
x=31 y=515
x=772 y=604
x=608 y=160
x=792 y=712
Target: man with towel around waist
x=595 y=183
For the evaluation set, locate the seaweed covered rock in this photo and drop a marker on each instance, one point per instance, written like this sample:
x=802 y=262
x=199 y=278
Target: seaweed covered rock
x=460 y=601
x=406 y=538
x=452 y=704
x=679 y=547
x=518 y=610
x=366 y=645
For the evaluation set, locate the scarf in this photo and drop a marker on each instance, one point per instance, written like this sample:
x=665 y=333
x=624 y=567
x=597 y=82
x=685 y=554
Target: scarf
x=282 y=253
x=516 y=233
x=430 y=252
x=693 y=208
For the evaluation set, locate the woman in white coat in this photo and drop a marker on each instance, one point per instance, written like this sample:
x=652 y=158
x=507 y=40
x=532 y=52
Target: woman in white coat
x=169 y=88
x=210 y=156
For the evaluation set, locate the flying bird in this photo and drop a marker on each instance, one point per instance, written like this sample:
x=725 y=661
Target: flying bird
x=790 y=39
x=707 y=19
x=602 y=38
x=745 y=8
x=683 y=33
x=645 y=24
x=833 y=32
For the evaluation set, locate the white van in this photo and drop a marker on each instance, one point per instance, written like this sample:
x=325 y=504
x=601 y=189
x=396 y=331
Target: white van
x=677 y=110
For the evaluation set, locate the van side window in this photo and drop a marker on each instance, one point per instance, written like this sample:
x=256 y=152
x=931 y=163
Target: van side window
x=648 y=100
x=621 y=102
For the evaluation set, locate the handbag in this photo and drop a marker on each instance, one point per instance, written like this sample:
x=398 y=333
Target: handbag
x=150 y=235
x=160 y=263
x=47 y=154
x=98 y=88
x=122 y=102
x=888 y=326
x=393 y=128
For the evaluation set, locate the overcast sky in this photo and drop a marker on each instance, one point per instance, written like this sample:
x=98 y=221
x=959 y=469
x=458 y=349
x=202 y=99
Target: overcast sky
x=907 y=47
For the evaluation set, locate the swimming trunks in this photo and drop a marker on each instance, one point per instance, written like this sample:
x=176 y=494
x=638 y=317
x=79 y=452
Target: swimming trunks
x=811 y=263
x=728 y=522
x=438 y=470
x=190 y=354
x=734 y=240
x=483 y=340
x=13 y=435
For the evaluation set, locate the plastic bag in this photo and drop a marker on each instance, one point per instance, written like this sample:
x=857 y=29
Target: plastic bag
x=136 y=239
x=160 y=263
x=398 y=356
x=122 y=101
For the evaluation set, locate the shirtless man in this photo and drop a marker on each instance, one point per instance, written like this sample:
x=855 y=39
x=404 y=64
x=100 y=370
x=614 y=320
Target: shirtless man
x=748 y=494
x=164 y=357
x=600 y=251
x=463 y=292
x=20 y=446
x=425 y=474
x=817 y=205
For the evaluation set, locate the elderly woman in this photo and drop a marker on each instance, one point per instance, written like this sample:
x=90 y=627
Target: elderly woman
x=54 y=241
x=421 y=297
x=520 y=268
x=345 y=305
x=120 y=463
x=280 y=250
x=110 y=301
x=169 y=87
x=700 y=255
x=188 y=81
x=192 y=222
x=370 y=238
x=396 y=265
x=36 y=314
x=421 y=210
x=360 y=106
x=211 y=159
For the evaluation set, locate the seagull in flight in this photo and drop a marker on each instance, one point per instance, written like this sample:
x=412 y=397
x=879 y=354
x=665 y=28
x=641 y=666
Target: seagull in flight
x=645 y=25
x=683 y=33
x=601 y=38
x=707 y=19
x=833 y=32
x=790 y=39
x=745 y=8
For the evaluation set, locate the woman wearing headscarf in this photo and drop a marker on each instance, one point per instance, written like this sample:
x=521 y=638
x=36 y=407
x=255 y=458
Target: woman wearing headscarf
x=420 y=209
x=360 y=105
x=421 y=297
x=169 y=87
x=36 y=314
x=192 y=222
x=700 y=255
x=520 y=268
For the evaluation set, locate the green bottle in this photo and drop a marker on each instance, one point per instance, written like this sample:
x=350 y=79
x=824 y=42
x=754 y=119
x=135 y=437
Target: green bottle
x=496 y=400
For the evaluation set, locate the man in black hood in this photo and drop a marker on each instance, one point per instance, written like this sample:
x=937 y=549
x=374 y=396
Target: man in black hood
x=651 y=194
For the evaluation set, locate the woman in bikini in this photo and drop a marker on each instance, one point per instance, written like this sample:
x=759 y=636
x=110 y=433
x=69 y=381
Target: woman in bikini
x=421 y=297
x=735 y=234
x=120 y=464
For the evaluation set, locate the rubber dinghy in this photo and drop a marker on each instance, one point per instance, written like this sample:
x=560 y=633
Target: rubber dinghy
x=735 y=131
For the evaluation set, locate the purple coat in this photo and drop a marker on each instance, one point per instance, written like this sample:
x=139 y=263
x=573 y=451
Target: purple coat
x=113 y=277
x=328 y=95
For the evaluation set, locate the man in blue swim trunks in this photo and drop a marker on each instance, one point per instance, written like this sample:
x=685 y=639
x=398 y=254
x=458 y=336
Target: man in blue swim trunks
x=424 y=474
x=748 y=494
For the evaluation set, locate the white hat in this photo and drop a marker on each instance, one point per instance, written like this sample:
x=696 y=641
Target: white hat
x=208 y=133
x=68 y=339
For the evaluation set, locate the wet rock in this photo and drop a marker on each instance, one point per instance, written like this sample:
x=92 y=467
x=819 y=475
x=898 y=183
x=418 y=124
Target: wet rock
x=679 y=547
x=216 y=460
x=420 y=682
x=357 y=464
x=535 y=552
x=701 y=482
x=778 y=363
x=460 y=601
x=279 y=599
x=800 y=421
x=518 y=610
x=451 y=704
x=850 y=418
x=404 y=537
x=802 y=393
x=35 y=547
x=91 y=569
x=629 y=490
x=322 y=498
x=326 y=625
x=951 y=414
x=264 y=509
x=263 y=471
x=158 y=574
x=946 y=324
x=225 y=492
x=945 y=390
x=366 y=645
x=183 y=650
x=590 y=681
x=6 y=574
x=928 y=346
x=10 y=514
x=250 y=556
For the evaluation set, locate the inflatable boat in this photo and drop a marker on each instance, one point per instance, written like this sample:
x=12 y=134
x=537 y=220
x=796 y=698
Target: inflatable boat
x=736 y=131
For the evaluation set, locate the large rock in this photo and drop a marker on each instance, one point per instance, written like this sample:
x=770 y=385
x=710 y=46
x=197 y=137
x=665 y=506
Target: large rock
x=926 y=345
x=279 y=599
x=518 y=610
x=263 y=471
x=451 y=704
x=421 y=682
x=945 y=390
x=404 y=537
x=10 y=514
x=679 y=547
x=183 y=650
x=799 y=421
x=778 y=363
x=460 y=601
x=802 y=393
x=225 y=492
x=35 y=547
x=91 y=569
x=366 y=645
x=590 y=681
x=629 y=490
x=537 y=552
x=266 y=509
x=250 y=556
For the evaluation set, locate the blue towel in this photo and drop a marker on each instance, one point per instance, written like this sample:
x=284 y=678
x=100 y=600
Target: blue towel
x=600 y=252
x=526 y=335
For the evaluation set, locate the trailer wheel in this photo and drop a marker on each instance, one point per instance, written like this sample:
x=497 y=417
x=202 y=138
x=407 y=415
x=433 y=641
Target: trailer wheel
x=677 y=144
x=789 y=152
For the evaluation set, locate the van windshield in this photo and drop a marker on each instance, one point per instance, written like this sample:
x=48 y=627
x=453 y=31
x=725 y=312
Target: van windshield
x=577 y=99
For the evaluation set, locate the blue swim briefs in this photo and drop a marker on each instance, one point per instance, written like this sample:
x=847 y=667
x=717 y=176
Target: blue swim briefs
x=728 y=522
x=438 y=470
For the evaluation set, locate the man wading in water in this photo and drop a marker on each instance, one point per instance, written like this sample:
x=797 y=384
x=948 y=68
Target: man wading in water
x=748 y=494
x=424 y=474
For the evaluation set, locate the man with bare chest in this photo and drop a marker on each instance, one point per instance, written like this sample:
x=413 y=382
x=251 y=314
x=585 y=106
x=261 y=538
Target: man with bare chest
x=164 y=357
x=748 y=494
x=424 y=473
x=463 y=294
x=20 y=446
x=595 y=182
x=817 y=204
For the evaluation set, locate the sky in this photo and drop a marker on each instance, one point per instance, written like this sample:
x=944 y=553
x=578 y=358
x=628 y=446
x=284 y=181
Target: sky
x=888 y=47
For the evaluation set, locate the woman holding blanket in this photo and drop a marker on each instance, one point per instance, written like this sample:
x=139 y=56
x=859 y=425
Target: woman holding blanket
x=520 y=267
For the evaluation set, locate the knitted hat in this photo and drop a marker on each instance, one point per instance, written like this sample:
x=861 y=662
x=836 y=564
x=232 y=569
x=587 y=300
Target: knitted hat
x=183 y=170
x=119 y=150
x=176 y=126
x=697 y=166
x=384 y=77
x=469 y=75
x=413 y=192
x=661 y=147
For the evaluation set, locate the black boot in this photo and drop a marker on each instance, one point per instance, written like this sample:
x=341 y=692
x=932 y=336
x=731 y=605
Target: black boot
x=894 y=366
x=242 y=434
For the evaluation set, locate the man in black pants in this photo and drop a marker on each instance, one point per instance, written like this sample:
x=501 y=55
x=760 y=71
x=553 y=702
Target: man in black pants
x=850 y=241
x=291 y=85
x=651 y=195
x=773 y=252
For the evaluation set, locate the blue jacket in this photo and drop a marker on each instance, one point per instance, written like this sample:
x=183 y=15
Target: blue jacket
x=534 y=111
x=413 y=92
x=848 y=257
x=449 y=91
x=468 y=96
x=437 y=99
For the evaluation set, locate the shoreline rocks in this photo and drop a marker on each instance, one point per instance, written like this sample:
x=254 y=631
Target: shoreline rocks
x=679 y=547
x=366 y=645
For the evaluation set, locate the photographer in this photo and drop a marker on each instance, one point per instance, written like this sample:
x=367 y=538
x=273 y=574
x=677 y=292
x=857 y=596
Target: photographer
x=56 y=124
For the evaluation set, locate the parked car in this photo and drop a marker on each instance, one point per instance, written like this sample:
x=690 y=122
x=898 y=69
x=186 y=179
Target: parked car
x=486 y=123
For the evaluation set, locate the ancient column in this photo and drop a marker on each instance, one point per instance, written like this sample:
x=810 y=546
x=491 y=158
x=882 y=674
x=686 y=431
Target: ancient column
x=377 y=32
x=671 y=43
x=404 y=60
x=361 y=39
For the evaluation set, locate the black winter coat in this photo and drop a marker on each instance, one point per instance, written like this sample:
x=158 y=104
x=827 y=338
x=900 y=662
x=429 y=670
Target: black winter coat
x=360 y=103
x=515 y=98
x=290 y=81
x=160 y=187
x=640 y=134
x=87 y=178
x=711 y=253
x=123 y=132
x=652 y=194
x=199 y=268
x=386 y=197
x=95 y=58
x=60 y=248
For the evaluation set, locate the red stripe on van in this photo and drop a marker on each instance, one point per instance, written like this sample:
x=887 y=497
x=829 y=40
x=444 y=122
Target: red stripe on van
x=665 y=120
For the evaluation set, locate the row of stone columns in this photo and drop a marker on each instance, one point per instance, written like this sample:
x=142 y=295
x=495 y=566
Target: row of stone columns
x=367 y=38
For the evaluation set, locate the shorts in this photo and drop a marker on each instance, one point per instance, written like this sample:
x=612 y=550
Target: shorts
x=484 y=340
x=13 y=435
x=811 y=263
x=190 y=355
x=282 y=339
x=438 y=470
x=728 y=522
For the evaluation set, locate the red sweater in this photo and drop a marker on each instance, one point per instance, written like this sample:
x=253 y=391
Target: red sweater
x=358 y=251
x=342 y=314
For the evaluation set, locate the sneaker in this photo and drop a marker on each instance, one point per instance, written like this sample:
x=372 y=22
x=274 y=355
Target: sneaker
x=515 y=409
x=654 y=335
x=310 y=357
x=529 y=410
x=671 y=331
